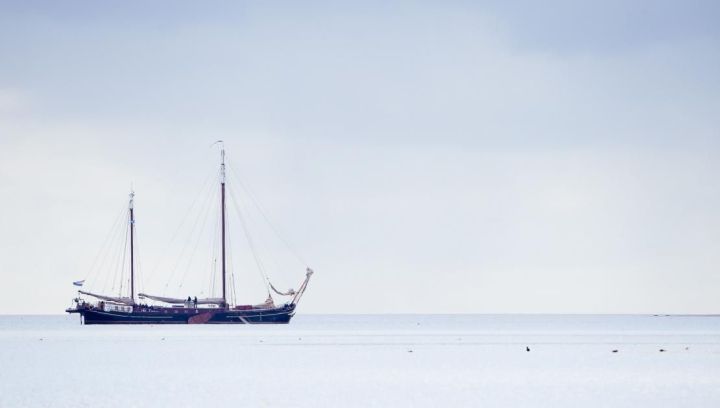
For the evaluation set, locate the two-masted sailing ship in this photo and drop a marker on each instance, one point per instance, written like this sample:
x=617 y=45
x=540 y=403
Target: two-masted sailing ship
x=144 y=308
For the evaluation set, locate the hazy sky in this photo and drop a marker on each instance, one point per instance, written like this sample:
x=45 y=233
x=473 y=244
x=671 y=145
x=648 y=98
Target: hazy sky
x=470 y=157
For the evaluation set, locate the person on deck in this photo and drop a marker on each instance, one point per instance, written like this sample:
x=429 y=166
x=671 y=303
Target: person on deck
x=195 y=302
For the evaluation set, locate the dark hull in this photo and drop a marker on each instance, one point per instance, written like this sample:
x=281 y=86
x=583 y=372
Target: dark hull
x=280 y=315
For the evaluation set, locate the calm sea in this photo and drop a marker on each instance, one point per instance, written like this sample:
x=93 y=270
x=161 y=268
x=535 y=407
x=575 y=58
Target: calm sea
x=366 y=360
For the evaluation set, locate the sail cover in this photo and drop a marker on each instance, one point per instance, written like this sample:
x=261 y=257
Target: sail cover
x=207 y=301
x=123 y=300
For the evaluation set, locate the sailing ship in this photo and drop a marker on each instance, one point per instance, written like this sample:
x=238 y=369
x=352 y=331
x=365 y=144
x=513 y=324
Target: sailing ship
x=106 y=309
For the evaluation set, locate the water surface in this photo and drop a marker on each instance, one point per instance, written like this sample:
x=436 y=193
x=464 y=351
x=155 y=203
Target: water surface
x=366 y=360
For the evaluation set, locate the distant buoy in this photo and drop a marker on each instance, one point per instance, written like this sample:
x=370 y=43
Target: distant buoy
x=527 y=349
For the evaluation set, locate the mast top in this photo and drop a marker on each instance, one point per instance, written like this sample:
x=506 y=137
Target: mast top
x=132 y=199
x=222 y=160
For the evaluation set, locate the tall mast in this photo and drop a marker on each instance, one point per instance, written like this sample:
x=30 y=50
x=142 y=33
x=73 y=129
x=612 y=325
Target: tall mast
x=222 y=221
x=132 y=249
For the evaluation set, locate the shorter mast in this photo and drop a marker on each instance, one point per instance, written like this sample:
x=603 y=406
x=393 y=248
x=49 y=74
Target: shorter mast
x=132 y=248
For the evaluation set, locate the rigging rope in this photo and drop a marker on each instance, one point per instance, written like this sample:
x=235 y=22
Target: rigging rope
x=111 y=267
x=262 y=212
x=187 y=242
x=104 y=250
x=214 y=254
x=109 y=260
x=112 y=261
x=118 y=255
x=231 y=268
x=124 y=255
x=206 y=185
x=250 y=241
x=139 y=274
x=197 y=244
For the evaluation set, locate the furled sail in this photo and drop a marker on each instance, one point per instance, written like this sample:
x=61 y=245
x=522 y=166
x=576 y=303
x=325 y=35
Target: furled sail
x=123 y=300
x=290 y=292
x=207 y=301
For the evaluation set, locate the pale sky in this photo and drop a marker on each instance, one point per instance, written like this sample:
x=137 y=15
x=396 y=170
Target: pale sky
x=422 y=157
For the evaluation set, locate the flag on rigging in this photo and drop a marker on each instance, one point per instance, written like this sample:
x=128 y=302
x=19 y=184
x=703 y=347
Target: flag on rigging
x=79 y=283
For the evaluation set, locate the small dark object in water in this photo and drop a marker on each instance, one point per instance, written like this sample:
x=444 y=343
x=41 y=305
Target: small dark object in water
x=662 y=350
x=527 y=348
x=41 y=339
x=687 y=348
x=614 y=351
x=410 y=351
x=163 y=338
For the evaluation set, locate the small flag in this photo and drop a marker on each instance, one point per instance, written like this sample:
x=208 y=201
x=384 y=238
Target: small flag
x=79 y=283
